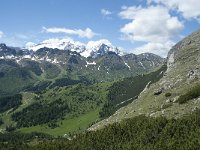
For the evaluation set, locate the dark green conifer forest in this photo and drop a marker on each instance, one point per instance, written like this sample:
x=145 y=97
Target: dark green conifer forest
x=136 y=133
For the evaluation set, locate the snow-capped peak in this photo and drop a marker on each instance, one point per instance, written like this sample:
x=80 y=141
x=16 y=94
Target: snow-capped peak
x=55 y=43
x=91 y=49
x=100 y=47
x=75 y=46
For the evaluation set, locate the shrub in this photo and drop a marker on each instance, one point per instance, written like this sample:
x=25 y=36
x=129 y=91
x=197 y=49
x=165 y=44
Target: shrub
x=193 y=93
x=10 y=128
x=168 y=94
x=9 y=102
x=1 y=121
x=165 y=106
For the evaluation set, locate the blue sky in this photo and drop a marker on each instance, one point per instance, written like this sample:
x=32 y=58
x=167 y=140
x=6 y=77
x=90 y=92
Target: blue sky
x=135 y=25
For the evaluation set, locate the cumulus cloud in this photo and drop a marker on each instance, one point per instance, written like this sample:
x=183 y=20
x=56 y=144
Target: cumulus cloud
x=153 y=25
x=87 y=33
x=129 y=12
x=105 y=12
x=188 y=8
x=1 y=34
x=156 y=48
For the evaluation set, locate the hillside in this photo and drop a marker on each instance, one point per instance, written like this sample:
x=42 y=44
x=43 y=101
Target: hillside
x=162 y=98
x=73 y=108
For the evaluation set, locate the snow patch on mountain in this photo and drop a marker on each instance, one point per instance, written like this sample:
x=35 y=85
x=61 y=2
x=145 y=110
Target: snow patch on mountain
x=93 y=47
x=62 y=44
x=99 y=67
x=90 y=63
x=27 y=56
x=99 y=48
x=142 y=65
x=10 y=57
x=127 y=65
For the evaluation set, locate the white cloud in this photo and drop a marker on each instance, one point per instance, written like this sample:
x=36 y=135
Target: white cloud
x=1 y=34
x=156 y=48
x=105 y=12
x=87 y=33
x=129 y=12
x=188 y=8
x=153 y=25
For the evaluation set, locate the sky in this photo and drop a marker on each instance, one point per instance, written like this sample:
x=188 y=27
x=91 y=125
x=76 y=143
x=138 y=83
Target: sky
x=135 y=26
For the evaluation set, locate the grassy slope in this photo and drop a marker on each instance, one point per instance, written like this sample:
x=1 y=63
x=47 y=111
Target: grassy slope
x=175 y=81
x=74 y=121
x=127 y=90
x=13 y=84
x=71 y=125
x=28 y=99
x=86 y=111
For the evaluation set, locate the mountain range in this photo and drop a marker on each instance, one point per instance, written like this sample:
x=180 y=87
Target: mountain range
x=40 y=65
x=91 y=49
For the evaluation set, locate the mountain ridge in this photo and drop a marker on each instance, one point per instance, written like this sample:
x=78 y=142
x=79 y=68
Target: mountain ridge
x=18 y=54
x=55 y=66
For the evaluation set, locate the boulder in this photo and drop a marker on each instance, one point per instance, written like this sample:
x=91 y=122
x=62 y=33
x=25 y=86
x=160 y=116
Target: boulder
x=158 y=92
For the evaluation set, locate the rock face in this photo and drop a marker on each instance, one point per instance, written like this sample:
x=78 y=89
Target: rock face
x=183 y=59
x=193 y=74
x=159 y=91
x=183 y=73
